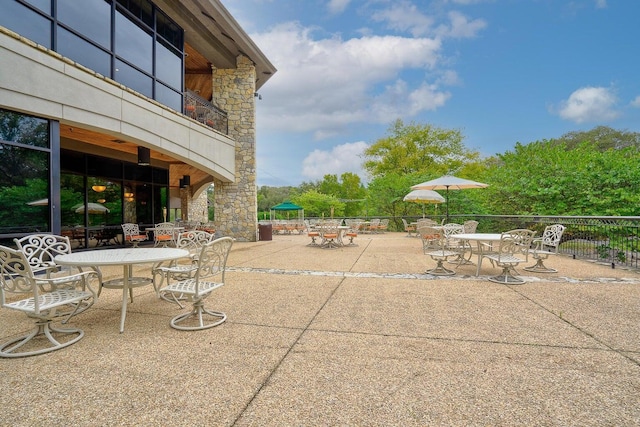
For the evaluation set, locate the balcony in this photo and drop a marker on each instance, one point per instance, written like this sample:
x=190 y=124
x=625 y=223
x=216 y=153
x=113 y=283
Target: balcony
x=205 y=112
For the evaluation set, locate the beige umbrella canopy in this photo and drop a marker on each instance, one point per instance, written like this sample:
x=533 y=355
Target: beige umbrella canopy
x=424 y=197
x=448 y=182
x=92 y=208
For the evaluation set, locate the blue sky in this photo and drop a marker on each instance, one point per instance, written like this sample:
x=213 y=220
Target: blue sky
x=500 y=71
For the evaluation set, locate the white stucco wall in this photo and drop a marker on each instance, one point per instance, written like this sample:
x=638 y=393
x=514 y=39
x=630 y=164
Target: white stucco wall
x=37 y=81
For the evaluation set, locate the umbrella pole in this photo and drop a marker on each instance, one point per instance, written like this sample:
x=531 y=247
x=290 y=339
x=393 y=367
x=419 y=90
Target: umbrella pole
x=447 y=194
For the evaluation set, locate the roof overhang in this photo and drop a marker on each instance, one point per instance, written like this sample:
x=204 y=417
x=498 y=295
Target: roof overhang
x=214 y=33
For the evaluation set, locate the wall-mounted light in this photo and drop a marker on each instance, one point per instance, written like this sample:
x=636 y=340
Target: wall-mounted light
x=99 y=188
x=185 y=181
x=257 y=95
x=144 y=156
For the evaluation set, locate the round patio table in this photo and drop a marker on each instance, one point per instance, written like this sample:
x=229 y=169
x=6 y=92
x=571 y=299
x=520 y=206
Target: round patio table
x=126 y=257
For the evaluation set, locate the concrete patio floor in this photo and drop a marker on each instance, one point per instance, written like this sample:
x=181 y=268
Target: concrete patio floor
x=355 y=336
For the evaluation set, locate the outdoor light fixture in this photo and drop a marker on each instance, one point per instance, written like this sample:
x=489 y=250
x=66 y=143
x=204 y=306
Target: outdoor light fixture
x=99 y=188
x=101 y=200
x=128 y=195
x=144 y=156
x=257 y=95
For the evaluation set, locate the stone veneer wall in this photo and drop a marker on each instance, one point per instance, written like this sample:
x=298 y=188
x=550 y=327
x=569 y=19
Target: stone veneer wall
x=194 y=208
x=236 y=204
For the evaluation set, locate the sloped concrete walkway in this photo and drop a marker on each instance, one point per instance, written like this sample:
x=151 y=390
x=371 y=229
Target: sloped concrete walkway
x=351 y=337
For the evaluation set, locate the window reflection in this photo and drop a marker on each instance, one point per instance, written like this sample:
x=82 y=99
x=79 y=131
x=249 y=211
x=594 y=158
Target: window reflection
x=133 y=43
x=83 y=52
x=26 y=22
x=134 y=79
x=89 y=19
x=24 y=173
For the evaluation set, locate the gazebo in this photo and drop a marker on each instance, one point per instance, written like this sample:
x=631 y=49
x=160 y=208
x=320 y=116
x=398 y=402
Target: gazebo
x=287 y=206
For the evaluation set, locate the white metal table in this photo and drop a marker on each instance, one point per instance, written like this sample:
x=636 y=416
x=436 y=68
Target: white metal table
x=479 y=238
x=126 y=257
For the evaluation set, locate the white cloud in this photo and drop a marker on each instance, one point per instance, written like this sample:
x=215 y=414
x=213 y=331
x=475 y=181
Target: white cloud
x=326 y=84
x=589 y=104
x=337 y=6
x=461 y=27
x=601 y=4
x=636 y=102
x=405 y=16
x=342 y=158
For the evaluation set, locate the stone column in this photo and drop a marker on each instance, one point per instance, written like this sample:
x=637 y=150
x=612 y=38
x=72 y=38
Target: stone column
x=236 y=204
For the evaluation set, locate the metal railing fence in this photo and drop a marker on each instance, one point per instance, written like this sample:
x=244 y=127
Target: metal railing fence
x=611 y=239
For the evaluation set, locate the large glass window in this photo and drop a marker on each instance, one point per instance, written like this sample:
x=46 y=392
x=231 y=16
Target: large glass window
x=168 y=66
x=90 y=19
x=169 y=97
x=134 y=79
x=43 y=5
x=26 y=22
x=24 y=173
x=133 y=43
x=84 y=34
x=83 y=52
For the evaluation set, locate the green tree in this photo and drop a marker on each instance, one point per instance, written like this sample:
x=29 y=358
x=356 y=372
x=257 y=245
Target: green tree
x=348 y=189
x=416 y=148
x=603 y=137
x=556 y=178
x=316 y=204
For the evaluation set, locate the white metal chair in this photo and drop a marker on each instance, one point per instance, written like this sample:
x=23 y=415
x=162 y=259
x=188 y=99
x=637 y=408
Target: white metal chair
x=311 y=232
x=470 y=226
x=48 y=300
x=208 y=276
x=544 y=246
x=330 y=234
x=509 y=254
x=410 y=229
x=41 y=249
x=434 y=244
x=352 y=232
x=164 y=234
x=132 y=234
x=193 y=241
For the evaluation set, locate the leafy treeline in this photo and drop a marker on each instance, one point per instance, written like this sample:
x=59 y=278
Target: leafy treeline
x=595 y=172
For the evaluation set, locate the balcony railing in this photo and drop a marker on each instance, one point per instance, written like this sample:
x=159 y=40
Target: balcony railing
x=205 y=112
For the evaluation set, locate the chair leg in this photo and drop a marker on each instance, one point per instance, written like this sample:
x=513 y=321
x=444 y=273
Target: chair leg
x=440 y=269
x=506 y=278
x=198 y=313
x=539 y=267
x=43 y=329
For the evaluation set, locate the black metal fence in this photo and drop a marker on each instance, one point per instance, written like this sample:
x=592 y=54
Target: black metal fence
x=611 y=239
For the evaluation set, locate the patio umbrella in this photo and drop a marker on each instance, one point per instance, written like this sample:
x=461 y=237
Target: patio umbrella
x=92 y=208
x=424 y=197
x=41 y=202
x=448 y=182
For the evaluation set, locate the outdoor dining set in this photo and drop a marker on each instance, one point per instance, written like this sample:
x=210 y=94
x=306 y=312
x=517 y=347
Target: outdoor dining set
x=457 y=243
x=331 y=233
x=49 y=283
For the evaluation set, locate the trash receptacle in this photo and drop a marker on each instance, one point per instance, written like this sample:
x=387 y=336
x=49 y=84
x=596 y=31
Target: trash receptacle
x=264 y=231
